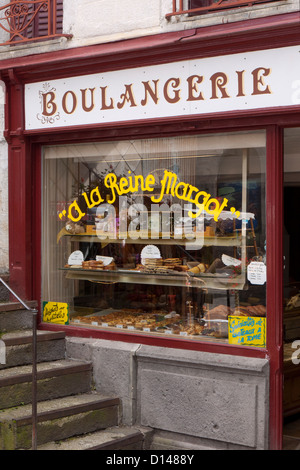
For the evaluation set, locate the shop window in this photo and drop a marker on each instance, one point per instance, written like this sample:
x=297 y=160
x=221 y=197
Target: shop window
x=163 y=237
x=200 y=3
x=199 y=7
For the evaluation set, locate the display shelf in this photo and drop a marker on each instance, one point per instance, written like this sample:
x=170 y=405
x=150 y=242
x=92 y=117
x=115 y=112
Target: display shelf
x=162 y=334
x=204 y=281
x=206 y=241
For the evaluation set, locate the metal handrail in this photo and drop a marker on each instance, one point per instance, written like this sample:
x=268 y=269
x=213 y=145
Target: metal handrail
x=34 y=363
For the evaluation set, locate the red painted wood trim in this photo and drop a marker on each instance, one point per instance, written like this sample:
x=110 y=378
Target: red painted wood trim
x=19 y=195
x=36 y=222
x=197 y=123
x=274 y=286
x=176 y=343
x=274 y=213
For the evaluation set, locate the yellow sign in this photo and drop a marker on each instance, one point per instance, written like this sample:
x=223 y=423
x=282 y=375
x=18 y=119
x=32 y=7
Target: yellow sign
x=56 y=312
x=249 y=331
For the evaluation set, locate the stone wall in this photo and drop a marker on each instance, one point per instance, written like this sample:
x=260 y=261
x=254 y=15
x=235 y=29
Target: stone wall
x=192 y=399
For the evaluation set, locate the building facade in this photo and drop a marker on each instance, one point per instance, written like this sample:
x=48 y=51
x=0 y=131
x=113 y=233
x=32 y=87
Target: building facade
x=149 y=204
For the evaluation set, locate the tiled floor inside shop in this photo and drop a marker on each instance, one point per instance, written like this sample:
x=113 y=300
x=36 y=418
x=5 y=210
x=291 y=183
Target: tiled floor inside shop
x=291 y=433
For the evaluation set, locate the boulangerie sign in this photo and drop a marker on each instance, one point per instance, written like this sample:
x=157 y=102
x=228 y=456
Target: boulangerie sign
x=251 y=80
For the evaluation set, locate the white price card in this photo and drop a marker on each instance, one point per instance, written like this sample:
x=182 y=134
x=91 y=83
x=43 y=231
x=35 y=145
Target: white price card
x=76 y=258
x=150 y=251
x=257 y=273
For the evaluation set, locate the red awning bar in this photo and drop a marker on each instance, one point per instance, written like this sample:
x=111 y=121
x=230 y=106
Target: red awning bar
x=210 y=6
x=19 y=17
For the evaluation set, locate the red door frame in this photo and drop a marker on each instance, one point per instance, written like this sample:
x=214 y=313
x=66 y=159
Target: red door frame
x=274 y=212
x=25 y=160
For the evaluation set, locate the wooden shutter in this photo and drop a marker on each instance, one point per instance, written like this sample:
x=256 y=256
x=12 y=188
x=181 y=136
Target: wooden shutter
x=199 y=3
x=41 y=20
x=39 y=27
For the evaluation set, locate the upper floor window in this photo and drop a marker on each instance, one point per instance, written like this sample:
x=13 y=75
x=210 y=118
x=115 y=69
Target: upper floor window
x=23 y=21
x=198 y=7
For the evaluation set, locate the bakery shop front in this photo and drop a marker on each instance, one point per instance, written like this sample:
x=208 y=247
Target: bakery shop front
x=158 y=195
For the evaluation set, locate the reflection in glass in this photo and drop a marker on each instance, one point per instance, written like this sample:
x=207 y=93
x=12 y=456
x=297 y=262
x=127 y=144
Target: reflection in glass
x=170 y=234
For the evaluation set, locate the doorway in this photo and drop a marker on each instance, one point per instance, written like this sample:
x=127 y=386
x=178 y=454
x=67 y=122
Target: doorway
x=291 y=291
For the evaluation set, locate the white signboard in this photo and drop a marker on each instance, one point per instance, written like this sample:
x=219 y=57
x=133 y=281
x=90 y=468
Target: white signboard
x=244 y=81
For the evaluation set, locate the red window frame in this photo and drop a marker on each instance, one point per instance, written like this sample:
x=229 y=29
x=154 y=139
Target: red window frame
x=274 y=196
x=200 y=7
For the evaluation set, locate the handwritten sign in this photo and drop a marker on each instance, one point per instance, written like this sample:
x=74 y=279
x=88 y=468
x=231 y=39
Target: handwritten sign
x=76 y=258
x=250 y=331
x=150 y=251
x=56 y=312
x=257 y=273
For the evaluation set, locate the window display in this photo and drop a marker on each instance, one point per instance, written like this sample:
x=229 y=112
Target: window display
x=159 y=237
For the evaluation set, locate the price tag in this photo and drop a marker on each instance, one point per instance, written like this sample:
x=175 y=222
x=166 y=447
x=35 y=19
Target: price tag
x=105 y=259
x=257 y=273
x=76 y=258
x=150 y=251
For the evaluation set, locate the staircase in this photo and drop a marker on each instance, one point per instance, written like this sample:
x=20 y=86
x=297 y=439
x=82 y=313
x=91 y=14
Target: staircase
x=70 y=414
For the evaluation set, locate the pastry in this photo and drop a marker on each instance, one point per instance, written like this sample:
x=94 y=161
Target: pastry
x=93 y=264
x=241 y=311
x=216 y=264
x=256 y=310
x=200 y=268
x=220 y=312
x=195 y=270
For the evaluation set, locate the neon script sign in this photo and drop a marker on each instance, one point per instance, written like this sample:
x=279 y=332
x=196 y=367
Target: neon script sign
x=169 y=186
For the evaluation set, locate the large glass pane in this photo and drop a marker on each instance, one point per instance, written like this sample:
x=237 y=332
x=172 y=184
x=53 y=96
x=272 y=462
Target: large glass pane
x=167 y=236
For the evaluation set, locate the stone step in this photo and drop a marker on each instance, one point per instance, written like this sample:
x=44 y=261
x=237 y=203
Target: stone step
x=54 y=379
x=115 y=438
x=18 y=344
x=57 y=420
x=13 y=316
